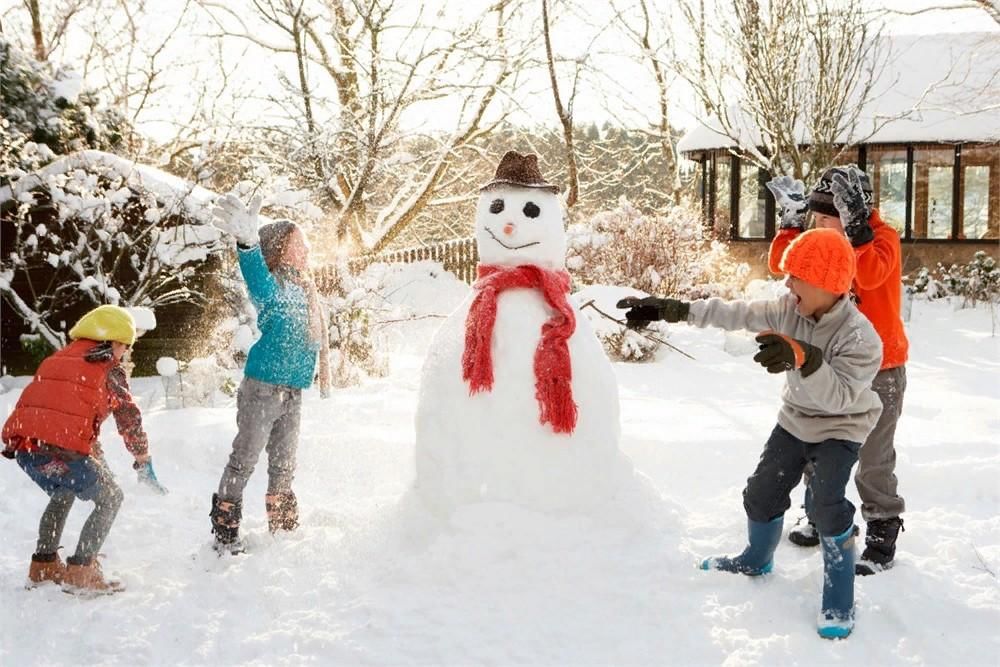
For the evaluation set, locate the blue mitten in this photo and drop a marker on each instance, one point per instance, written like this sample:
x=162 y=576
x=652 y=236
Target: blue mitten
x=147 y=477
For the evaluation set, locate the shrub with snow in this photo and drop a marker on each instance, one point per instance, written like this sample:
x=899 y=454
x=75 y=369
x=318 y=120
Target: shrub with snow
x=353 y=305
x=668 y=254
x=977 y=281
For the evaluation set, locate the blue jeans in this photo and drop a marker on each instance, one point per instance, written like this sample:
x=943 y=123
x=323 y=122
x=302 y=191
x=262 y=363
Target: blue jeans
x=768 y=490
x=56 y=477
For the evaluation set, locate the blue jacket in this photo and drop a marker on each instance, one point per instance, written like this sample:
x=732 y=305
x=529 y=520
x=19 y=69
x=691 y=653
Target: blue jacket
x=285 y=354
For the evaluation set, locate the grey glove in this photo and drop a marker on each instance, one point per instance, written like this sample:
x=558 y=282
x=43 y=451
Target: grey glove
x=790 y=196
x=849 y=198
x=237 y=220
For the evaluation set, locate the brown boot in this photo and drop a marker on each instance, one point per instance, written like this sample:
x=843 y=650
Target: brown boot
x=86 y=578
x=46 y=567
x=282 y=511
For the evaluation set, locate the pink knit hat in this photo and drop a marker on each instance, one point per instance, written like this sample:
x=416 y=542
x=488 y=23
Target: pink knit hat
x=823 y=258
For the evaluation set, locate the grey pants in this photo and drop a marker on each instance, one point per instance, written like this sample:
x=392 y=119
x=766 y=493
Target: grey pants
x=876 y=475
x=107 y=501
x=267 y=416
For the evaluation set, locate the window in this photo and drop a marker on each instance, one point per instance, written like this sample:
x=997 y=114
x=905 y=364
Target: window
x=752 y=203
x=979 y=203
x=887 y=169
x=933 y=192
x=721 y=221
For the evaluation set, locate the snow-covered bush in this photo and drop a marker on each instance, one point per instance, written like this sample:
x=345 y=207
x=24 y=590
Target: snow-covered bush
x=353 y=305
x=974 y=282
x=670 y=254
x=194 y=383
x=597 y=304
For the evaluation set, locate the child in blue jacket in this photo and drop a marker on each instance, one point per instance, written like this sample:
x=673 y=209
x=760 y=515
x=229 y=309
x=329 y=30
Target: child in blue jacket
x=274 y=263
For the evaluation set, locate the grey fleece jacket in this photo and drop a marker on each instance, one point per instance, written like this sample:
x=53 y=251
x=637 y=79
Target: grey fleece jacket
x=837 y=400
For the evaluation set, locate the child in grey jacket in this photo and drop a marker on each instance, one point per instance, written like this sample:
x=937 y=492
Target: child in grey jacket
x=829 y=353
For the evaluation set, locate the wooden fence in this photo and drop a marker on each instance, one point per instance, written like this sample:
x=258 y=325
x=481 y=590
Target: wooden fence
x=458 y=256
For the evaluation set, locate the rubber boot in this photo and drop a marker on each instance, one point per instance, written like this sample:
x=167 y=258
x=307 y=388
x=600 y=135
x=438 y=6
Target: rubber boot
x=226 y=518
x=282 y=511
x=837 y=618
x=84 y=577
x=46 y=567
x=758 y=557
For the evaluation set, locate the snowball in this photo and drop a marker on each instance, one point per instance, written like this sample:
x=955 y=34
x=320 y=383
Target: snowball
x=144 y=318
x=167 y=366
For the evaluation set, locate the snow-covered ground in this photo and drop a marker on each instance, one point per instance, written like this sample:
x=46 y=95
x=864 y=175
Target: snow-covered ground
x=374 y=578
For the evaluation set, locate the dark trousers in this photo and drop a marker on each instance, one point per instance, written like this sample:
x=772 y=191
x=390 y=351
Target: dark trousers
x=767 y=494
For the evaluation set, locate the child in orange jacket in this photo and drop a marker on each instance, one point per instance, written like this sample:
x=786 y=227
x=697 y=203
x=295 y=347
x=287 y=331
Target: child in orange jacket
x=842 y=200
x=52 y=433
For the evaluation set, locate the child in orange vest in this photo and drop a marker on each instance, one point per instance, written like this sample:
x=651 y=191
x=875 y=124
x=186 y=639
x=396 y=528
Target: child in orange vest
x=842 y=200
x=52 y=433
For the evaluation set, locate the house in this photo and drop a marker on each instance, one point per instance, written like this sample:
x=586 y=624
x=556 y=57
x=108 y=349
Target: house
x=934 y=157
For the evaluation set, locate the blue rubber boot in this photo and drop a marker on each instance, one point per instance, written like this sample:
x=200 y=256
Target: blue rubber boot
x=758 y=557
x=837 y=618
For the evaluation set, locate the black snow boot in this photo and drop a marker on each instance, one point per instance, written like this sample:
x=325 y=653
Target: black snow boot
x=880 y=546
x=807 y=535
x=226 y=524
x=804 y=533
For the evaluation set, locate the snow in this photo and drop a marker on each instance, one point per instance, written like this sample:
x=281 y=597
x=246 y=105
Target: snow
x=948 y=81
x=374 y=577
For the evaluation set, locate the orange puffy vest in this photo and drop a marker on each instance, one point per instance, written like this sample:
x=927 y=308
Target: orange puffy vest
x=65 y=403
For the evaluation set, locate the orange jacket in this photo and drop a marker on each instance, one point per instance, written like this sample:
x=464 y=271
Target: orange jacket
x=878 y=285
x=65 y=403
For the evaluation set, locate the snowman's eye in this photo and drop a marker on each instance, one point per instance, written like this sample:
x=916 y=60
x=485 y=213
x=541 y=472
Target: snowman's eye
x=496 y=206
x=531 y=210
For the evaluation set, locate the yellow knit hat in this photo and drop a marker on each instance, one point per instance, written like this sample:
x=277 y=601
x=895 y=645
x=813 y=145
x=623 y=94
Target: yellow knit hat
x=105 y=323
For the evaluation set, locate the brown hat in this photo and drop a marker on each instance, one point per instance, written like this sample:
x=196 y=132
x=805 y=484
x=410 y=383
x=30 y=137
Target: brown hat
x=520 y=171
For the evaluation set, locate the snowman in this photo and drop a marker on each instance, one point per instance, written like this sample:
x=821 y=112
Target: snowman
x=518 y=401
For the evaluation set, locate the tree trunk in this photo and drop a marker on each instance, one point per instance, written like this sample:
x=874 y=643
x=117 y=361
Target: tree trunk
x=36 y=30
x=565 y=117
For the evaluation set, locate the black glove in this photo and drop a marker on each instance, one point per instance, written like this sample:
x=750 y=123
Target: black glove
x=648 y=309
x=849 y=198
x=779 y=353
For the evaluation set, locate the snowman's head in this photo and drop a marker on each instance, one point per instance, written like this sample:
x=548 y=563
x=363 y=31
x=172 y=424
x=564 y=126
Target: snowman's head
x=519 y=219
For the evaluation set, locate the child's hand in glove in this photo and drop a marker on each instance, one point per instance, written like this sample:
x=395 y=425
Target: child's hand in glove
x=849 y=198
x=648 y=309
x=237 y=220
x=780 y=353
x=147 y=476
x=790 y=196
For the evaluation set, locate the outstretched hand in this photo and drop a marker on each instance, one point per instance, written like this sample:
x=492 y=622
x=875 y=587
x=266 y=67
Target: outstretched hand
x=849 y=199
x=648 y=309
x=790 y=196
x=237 y=220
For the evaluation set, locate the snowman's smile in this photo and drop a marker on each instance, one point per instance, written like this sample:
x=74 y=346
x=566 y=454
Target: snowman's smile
x=509 y=247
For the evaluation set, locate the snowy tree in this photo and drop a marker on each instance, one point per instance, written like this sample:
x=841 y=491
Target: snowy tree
x=383 y=61
x=786 y=82
x=51 y=107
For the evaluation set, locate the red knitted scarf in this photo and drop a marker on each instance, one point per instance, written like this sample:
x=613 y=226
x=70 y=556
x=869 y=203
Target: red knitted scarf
x=553 y=371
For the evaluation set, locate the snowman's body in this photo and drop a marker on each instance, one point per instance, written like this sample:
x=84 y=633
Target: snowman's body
x=491 y=446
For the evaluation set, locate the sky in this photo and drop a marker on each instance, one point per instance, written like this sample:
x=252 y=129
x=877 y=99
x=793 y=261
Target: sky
x=624 y=91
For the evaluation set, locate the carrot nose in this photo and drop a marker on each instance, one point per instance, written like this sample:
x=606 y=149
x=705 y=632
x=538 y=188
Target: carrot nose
x=508 y=229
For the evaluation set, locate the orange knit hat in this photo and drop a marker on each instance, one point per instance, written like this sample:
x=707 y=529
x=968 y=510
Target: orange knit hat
x=823 y=258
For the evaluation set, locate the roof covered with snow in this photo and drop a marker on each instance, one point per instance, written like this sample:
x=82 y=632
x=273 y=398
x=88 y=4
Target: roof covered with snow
x=933 y=88
x=171 y=192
